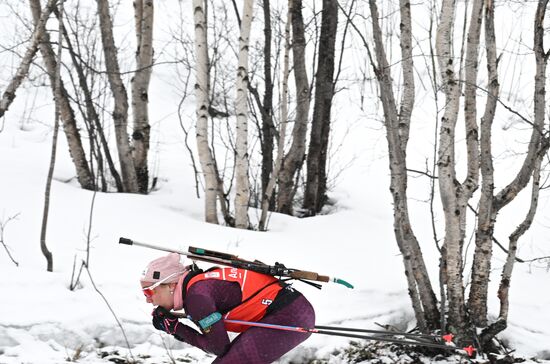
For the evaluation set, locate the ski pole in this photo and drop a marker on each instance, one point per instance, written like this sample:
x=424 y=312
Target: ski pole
x=206 y=323
x=447 y=338
x=469 y=349
x=230 y=260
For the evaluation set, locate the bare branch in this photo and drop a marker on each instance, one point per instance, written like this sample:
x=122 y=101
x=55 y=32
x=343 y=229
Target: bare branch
x=3 y=225
x=23 y=69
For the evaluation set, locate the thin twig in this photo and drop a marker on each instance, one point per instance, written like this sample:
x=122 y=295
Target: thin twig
x=519 y=260
x=425 y=173
x=112 y=311
x=193 y=163
x=2 y=228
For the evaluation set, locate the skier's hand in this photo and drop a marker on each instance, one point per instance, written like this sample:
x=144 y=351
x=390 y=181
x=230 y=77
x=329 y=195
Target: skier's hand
x=163 y=320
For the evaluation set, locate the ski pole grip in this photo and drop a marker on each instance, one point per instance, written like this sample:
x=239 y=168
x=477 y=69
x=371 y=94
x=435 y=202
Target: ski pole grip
x=126 y=241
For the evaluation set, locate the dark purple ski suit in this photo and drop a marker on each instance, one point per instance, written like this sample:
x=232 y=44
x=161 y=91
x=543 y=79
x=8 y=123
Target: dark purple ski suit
x=255 y=345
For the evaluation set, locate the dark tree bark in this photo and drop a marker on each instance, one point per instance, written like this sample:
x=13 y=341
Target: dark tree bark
x=268 y=128
x=316 y=182
x=293 y=161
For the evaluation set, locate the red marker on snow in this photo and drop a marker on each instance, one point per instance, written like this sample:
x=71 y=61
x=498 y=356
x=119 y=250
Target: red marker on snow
x=469 y=350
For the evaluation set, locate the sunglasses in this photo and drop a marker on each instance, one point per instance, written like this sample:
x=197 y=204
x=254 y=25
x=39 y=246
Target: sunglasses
x=149 y=291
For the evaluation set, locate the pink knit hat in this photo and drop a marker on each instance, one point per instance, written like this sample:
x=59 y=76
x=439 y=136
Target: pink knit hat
x=167 y=269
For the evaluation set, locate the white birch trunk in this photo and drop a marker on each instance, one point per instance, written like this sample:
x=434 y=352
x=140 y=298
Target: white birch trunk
x=538 y=147
x=241 y=107
x=397 y=133
x=67 y=117
x=144 y=18
x=120 y=112
x=454 y=213
x=201 y=88
x=481 y=267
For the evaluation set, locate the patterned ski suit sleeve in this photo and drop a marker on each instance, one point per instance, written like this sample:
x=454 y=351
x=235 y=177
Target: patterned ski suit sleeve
x=201 y=300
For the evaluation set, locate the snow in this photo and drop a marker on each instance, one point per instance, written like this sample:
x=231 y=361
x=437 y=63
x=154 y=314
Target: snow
x=43 y=321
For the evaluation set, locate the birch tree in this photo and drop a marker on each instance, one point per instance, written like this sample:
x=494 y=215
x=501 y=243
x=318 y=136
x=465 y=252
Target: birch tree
x=47 y=193
x=461 y=315
x=530 y=170
x=120 y=112
x=202 y=91
x=40 y=27
x=144 y=18
x=99 y=146
x=241 y=107
x=67 y=116
x=455 y=195
x=397 y=127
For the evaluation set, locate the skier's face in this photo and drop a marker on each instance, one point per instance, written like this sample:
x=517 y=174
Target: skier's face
x=161 y=295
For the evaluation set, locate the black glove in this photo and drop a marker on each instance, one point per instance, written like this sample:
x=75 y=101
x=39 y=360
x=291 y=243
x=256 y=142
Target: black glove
x=163 y=320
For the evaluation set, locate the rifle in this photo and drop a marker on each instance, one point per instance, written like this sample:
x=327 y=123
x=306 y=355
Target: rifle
x=230 y=260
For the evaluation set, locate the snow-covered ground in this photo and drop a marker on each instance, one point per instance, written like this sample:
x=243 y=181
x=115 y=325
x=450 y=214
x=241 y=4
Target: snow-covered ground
x=42 y=321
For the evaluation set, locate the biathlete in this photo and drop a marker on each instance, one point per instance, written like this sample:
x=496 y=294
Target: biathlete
x=209 y=297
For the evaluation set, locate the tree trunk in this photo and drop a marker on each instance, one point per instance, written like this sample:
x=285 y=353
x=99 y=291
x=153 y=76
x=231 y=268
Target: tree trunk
x=144 y=17
x=292 y=162
x=315 y=191
x=202 y=89
x=452 y=196
x=538 y=147
x=67 y=117
x=262 y=225
x=268 y=128
x=120 y=112
x=477 y=300
x=242 y=187
x=91 y=112
x=397 y=131
x=478 y=304
x=455 y=195
x=40 y=27
x=503 y=291
x=57 y=97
